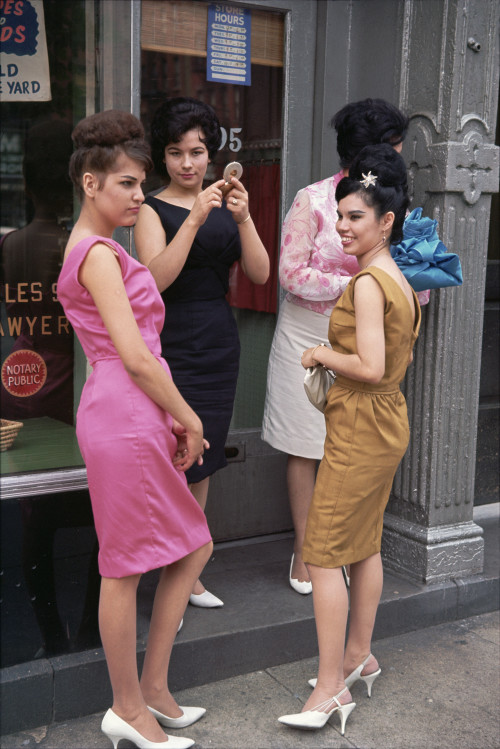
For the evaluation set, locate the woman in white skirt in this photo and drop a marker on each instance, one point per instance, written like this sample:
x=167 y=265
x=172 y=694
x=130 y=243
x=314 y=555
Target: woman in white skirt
x=315 y=272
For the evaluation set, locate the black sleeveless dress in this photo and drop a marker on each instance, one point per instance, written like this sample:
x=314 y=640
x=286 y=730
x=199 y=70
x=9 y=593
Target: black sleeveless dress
x=200 y=338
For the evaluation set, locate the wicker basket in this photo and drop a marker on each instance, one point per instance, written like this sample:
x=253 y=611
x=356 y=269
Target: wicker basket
x=8 y=433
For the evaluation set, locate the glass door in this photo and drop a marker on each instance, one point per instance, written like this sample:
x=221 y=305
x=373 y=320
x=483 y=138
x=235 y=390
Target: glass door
x=174 y=63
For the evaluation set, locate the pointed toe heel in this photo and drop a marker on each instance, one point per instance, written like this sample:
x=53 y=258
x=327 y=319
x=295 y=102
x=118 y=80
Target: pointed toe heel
x=304 y=587
x=311 y=720
x=205 y=600
x=191 y=715
x=115 y=728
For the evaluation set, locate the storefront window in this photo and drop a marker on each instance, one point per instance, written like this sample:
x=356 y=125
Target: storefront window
x=174 y=63
x=39 y=369
x=48 y=573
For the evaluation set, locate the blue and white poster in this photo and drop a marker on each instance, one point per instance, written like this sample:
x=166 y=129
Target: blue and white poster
x=228 y=44
x=24 y=63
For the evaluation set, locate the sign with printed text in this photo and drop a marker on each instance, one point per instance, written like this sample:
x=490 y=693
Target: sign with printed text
x=24 y=373
x=24 y=62
x=228 y=44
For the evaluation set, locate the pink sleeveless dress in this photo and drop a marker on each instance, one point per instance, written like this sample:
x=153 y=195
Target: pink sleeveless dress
x=145 y=516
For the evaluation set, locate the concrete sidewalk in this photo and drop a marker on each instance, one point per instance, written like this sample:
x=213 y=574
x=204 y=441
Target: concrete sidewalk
x=263 y=625
x=438 y=690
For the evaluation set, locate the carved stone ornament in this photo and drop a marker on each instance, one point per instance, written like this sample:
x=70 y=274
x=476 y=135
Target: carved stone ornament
x=470 y=167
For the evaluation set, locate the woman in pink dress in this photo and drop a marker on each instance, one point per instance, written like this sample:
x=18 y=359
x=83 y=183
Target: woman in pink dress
x=315 y=271
x=136 y=433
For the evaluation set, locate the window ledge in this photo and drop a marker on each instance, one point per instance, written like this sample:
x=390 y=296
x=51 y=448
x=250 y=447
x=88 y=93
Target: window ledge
x=44 y=482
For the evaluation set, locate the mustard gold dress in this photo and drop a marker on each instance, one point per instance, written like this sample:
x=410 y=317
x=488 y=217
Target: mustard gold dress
x=367 y=435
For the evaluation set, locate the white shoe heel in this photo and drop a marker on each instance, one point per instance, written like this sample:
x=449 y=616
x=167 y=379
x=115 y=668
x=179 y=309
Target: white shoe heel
x=345 y=711
x=355 y=676
x=310 y=720
x=368 y=679
x=115 y=728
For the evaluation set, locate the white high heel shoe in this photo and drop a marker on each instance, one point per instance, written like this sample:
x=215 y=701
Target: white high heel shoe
x=304 y=588
x=115 y=728
x=310 y=720
x=191 y=715
x=205 y=600
x=355 y=676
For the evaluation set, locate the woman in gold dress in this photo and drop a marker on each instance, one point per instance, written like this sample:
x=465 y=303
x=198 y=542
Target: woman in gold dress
x=372 y=332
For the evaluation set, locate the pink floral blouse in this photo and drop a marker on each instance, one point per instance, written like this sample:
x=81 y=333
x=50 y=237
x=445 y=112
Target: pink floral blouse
x=314 y=269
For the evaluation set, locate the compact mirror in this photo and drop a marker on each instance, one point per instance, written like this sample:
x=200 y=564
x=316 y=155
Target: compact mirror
x=234 y=169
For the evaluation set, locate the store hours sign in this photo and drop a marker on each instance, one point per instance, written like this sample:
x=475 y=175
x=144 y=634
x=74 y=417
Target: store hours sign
x=24 y=63
x=228 y=44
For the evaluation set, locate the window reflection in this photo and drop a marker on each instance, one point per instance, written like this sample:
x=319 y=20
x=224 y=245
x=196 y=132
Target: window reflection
x=31 y=262
x=48 y=573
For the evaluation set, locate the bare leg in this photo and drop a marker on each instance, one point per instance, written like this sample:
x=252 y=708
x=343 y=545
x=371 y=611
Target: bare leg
x=200 y=493
x=330 y=611
x=117 y=623
x=172 y=594
x=366 y=589
x=300 y=475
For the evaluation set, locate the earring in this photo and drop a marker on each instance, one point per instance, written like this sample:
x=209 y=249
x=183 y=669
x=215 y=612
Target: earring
x=383 y=238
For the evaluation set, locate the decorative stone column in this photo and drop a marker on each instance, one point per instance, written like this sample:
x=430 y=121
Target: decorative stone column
x=449 y=86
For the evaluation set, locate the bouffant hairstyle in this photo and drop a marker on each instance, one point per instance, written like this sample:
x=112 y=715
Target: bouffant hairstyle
x=390 y=191
x=367 y=123
x=177 y=116
x=100 y=139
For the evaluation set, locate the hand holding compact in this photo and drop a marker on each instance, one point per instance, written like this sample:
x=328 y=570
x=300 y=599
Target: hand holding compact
x=205 y=201
x=233 y=169
x=237 y=201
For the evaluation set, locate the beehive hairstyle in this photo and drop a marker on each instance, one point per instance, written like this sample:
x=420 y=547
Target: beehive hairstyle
x=100 y=139
x=390 y=191
x=367 y=123
x=174 y=118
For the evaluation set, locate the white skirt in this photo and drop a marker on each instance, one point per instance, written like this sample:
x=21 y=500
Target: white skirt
x=290 y=422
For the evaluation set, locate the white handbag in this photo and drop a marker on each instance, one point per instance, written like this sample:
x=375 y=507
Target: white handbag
x=317 y=382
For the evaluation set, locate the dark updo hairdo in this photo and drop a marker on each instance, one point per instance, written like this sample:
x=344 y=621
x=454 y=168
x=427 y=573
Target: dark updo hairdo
x=367 y=123
x=177 y=116
x=390 y=191
x=100 y=139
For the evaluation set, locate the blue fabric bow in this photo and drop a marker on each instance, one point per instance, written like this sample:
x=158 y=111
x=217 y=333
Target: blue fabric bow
x=423 y=258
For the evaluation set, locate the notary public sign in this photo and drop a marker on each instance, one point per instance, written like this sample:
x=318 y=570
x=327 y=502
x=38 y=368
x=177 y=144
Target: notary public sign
x=24 y=373
x=228 y=44
x=24 y=63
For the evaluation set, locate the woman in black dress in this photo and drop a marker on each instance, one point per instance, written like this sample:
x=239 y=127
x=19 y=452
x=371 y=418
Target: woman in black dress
x=189 y=237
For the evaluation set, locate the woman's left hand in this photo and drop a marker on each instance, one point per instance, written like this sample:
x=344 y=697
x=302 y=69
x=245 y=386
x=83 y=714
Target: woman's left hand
x=307 y=359
x=183 y=458
x=180 y=457
x=237 y=201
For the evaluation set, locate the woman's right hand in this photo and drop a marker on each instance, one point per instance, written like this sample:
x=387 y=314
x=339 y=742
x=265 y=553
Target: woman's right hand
x=205 y=201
